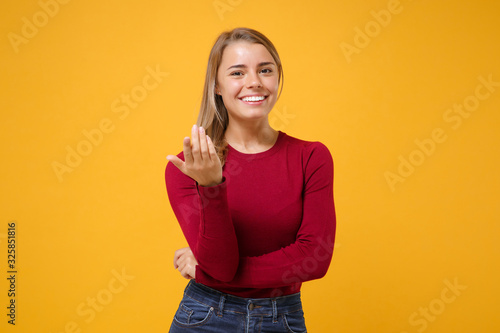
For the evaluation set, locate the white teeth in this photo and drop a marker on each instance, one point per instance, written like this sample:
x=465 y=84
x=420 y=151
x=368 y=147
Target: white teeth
x=253 y=98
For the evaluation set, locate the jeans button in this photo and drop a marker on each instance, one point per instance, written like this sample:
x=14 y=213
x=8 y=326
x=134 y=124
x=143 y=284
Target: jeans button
x=252 y=306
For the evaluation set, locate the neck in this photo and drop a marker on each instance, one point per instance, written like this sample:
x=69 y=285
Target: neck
x=251 y=137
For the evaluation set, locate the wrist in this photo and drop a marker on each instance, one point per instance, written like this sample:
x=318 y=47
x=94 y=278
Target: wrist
x=212 y=184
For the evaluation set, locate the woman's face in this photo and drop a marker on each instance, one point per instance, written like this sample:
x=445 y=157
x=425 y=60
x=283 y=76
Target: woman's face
x=247 y=81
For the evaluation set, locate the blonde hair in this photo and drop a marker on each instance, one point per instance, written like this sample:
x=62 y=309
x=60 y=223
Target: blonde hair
x=213 y=114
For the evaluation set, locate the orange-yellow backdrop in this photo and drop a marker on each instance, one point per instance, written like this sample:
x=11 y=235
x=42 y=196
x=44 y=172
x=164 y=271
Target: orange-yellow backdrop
x=95 y=94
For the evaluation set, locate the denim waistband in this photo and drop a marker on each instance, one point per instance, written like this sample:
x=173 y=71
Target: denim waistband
x=251 y=306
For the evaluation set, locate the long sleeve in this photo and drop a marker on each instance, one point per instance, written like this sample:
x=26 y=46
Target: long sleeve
x=204 y=217
x=310 y=255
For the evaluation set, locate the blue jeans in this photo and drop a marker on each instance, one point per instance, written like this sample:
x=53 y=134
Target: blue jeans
x=203 y=309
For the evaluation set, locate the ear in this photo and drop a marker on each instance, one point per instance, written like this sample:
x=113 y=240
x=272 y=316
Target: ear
x=216 y=89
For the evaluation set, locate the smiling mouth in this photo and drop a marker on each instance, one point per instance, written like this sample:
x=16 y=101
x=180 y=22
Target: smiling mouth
x=253 y=98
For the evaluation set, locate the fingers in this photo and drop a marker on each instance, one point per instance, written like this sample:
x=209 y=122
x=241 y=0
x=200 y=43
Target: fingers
x=181 y=261
x=178 y=256
x=195 y=143
x=186 y=272
x=200 y=147
x=185 y=268
x=188 y=151
x=203 y=144
x=201 y=162
x=197 y=147
x=211 y=149
x=185 y=262
x=176 y=261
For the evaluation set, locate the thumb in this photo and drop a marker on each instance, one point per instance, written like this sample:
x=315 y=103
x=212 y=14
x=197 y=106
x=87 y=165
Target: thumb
x=176 y=161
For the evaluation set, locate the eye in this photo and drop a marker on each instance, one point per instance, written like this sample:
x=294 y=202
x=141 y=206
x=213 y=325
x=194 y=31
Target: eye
x=236 y=74
x=266 y=71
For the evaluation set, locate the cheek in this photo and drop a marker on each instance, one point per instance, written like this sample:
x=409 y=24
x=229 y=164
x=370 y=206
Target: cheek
x=232 y=87
x=272 y=84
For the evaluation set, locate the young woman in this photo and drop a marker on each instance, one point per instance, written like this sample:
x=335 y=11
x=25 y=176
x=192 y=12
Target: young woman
x=255 y=204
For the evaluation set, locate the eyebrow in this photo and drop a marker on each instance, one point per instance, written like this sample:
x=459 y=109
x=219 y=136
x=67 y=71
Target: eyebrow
x=244 y=66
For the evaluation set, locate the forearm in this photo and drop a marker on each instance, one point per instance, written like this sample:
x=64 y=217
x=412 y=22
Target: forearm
x=203 y=214
x=296 y=263
x=217 y=248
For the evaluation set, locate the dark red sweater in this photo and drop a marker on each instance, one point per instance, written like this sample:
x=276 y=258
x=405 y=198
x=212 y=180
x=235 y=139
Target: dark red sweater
x=270 y=224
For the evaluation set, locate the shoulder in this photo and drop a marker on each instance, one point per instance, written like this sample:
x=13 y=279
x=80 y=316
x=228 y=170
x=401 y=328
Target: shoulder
x=309 y=149
x=316 y=162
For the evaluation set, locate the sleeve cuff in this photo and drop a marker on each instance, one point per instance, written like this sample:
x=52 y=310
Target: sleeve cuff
x=223 y=182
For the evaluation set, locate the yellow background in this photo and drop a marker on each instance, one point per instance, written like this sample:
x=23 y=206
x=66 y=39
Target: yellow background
x=397 y=246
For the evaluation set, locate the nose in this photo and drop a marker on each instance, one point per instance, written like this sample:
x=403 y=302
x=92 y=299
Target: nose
x=253 y=81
